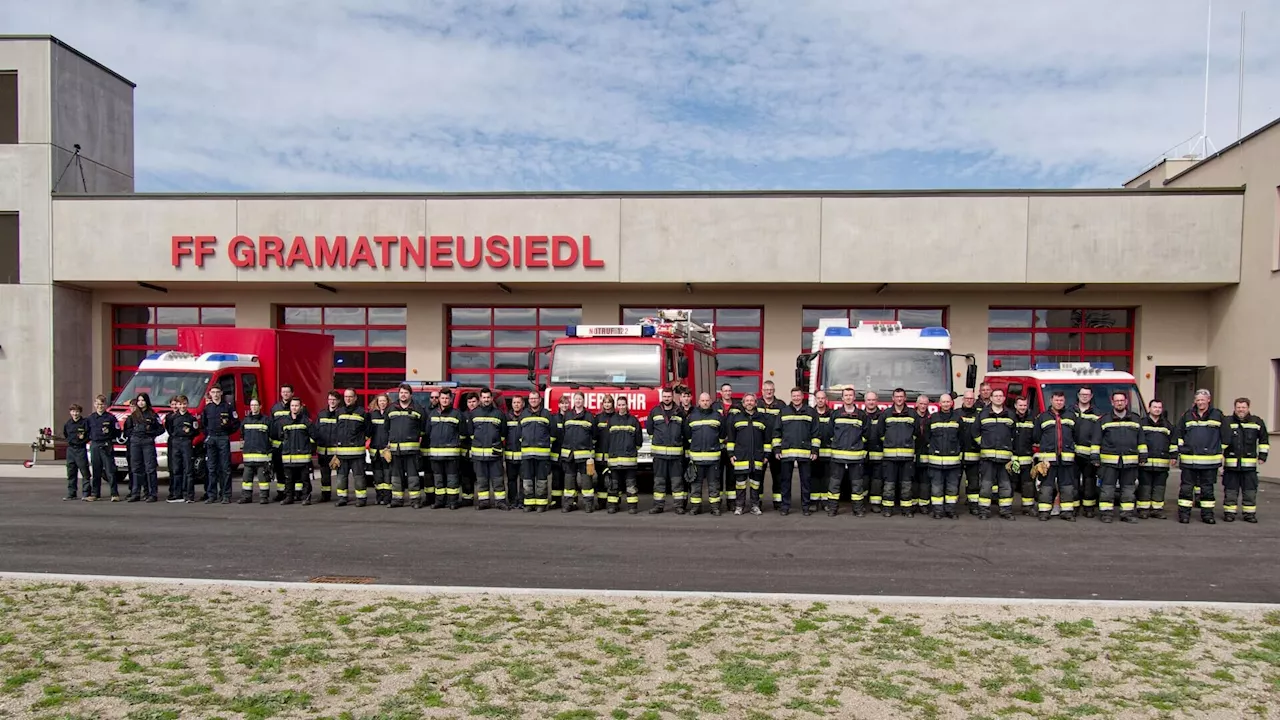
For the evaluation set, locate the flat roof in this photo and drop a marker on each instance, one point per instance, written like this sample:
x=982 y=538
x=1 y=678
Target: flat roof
x=606 y=194
x=86 y=58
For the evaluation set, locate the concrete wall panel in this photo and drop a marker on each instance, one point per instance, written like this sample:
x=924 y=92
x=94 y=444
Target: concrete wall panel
x=32 y=61
x=108 y=240
x=24 y=187
x=720 y=240
x=924 y=239
x=329 y=218
x=93 y=108
x=1134 y=239
x=26 y=365
x=529 y=217
x=72 y=363
x=99 y=179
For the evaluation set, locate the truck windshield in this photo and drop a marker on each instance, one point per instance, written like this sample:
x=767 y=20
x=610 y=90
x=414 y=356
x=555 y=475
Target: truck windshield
x=1101 y=394
x=607 y=364
x=164 y=385
x=883 y=369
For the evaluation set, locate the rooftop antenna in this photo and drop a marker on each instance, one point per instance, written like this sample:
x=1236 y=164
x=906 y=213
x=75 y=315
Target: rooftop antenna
x=75 y=159
x=1203 y=145
x=1240 y=88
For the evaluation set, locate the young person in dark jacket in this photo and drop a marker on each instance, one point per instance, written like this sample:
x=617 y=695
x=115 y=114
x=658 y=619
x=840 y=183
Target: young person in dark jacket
x=255 y=429
x=296 y=435
x=218 y=421
x=76 y=432
x=378 y=440
x=622 y=451
x=141 y=428
x=104 y=433
x=326 y=428
x=182 y=428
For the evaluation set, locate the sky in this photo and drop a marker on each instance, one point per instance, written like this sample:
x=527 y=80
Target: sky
x=478 y=95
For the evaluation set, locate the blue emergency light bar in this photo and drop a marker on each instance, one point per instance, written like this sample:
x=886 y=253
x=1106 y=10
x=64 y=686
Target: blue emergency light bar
x=222 y=357
x=154 y=355
x=837 y=331
x=934 y=332
x=1075 y=366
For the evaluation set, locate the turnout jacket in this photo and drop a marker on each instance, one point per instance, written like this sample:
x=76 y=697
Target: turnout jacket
x=1024 y=437
x=1158 y=435
x=485 y=428
x=76 y=432
x=143 y=427
x=443 y=432
x=404 y=428
x=578 y=438
x=1121 y=442
x=351 y=432
x=625 y=439
x=1200 y=438
x=281 y=409
x=824 y=432
x=772 y=408
x=602 y=433
x=103 y=428
x=378 y=435
x=897 y=432
x=537 y=433
x=666 y=431
x=944 y=433
x=875 y=447
x=1245 y=440
x=1086 y=431
x=704 y=434
x=848 y=435
x=326 y=429
x=795 y=433
x=512 y=445
x=969 y=417
x=994 y=433
x=182 y=426
x=750 y=440
x=296 y=436
x=1055 y=437
x=256 y=432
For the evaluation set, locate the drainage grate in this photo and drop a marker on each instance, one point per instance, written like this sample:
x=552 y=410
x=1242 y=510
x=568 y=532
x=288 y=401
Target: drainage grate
x=342 y=580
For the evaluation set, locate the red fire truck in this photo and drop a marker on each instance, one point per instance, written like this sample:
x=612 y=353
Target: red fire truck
x=1039 y=383
x=631 y=361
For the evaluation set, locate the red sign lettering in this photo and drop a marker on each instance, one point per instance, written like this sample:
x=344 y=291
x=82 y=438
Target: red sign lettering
x=437 y=252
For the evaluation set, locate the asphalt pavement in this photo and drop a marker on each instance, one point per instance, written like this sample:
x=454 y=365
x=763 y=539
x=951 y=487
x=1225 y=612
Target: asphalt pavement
x=1153 y=560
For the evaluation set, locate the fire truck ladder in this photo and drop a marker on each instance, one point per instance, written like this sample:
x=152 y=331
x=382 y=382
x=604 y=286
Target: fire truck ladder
x=680 y=324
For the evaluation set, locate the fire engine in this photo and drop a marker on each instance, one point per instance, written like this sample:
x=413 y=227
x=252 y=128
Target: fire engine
x=630 y=361
x=878 y=356
x=1045 y=378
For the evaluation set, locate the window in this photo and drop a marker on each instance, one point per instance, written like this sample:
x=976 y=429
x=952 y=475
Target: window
x=1021 y=337
x=739 y=335
x=489 y=346
x=910 y=317
x=9 y=249
x=228 y=385
x=8 y=108
x=137 y=330
x=249 y=388
x=368 y=343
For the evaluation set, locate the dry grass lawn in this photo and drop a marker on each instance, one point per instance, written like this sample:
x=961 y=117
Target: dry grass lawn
x=103 y=650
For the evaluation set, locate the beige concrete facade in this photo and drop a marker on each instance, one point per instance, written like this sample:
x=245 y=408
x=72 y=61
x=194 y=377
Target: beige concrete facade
x=1194 y=262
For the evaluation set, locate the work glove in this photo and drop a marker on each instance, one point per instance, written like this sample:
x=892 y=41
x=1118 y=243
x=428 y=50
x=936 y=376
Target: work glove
x=1014 y=467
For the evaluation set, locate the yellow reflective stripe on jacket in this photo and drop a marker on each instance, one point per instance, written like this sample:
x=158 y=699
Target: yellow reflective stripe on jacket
x=996 y=454
x=348 y=451
x=295 y=458
x=704 y=455
x=254 y=426
x=1156 y=462
x=256 y=457
x=444 y=452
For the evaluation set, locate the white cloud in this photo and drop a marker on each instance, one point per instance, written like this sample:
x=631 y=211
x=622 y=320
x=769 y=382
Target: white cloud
x=479 y=94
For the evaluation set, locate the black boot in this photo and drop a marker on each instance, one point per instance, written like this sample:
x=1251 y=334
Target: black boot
x=1229 y=517
x=266 y=499
x=1128 y=517
x=361 y=502
x=1144 y=514
x=1090 y=511
x=1251 y=518
x=715 y=509
x=1207 y=518
x=695 y=508
x=1106 y=517
x=656 y=509
x=1043 y=516
x=1006 y=515
x=306 y=499
x=246 y=498
x=325 y=496
x=1184 y=517
x=680 y=509
x=288 y=499
x=1068 y=515
x=342 y=502
x=1158 y=514
x=611 y=508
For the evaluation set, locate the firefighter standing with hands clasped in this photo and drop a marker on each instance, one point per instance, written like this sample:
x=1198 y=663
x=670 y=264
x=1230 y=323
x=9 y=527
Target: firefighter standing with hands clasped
x=705 y=429
x=846 y=443
x=1122 y=449
x=1246 y=440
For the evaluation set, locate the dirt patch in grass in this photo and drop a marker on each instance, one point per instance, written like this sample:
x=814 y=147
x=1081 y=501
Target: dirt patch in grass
x=107 y=650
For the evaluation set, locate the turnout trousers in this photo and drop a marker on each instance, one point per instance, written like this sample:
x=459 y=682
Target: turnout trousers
x=621 y=487
x=577 y=481
x=897 y=484
x=747 y=489
x=1151 y=489
x=448 y=481
x=1203 y=478
x=944 y=488
x=490 y=487
x=853 y=471
x=405 y=479
x=351 y=477
x=260 y=472
x=1088 y=484
x=993 y=479
x=775 y=482
x=1118 y=480
x=1240 y=491
x=707 y=476
x=535 y=473
x=668 y=476
x=1060 y=482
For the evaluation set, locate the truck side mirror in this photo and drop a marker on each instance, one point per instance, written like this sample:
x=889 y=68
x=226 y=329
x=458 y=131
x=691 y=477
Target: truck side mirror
x=532 y=364
x=971 y=376
x=682 y=367
x=802 y=370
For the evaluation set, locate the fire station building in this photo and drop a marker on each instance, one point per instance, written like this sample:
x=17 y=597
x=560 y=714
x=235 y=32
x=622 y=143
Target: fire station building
x=1173 y=277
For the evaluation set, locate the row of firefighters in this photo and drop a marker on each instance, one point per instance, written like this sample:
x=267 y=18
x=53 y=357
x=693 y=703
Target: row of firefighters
x=893 y=459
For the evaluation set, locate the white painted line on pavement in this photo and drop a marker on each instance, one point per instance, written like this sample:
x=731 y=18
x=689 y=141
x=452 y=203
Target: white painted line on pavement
x=664 y=594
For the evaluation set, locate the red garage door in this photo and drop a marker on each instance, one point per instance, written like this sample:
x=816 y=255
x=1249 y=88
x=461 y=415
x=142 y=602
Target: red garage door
x=140 y=329
x=489 y=346
x=368 y=343
x=739 y=342
x=1021 y=337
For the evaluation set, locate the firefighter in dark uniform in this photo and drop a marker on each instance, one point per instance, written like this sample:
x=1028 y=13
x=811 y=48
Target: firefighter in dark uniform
x=182 y=428
x=875 y=451
x=1024 y=438
x=770 y=405
x=485 y=427
x=577 y=446
x=666 y=441
x=1246 y=439
x=428 y=483
x=278 y=410
x=218 y=420
x=921 y=487
x=602 y=444
x=326 y=437
x=104 y=433
x=556 y=469
x=378 y=440
x=897 y=433
x=820 y=471
x=727 y=407
x=1157 y=433
x=537 y=437
x=704 y=431
x=970 y=457
x=405 y=422
x=466 y=468
x=944 y=438
x=349 y=439
x=1086 y=415
x=255 y=429
x=443 y=434
x=796 y=443
x=1200 y=439
x=622 y=453
x=141 y=428
x=848 y=430
x=750 y=444
x=512 y=455
x=1122 y=449
x=76 y=432
x=296 y=435
x=994 y=426
x=1055 y=435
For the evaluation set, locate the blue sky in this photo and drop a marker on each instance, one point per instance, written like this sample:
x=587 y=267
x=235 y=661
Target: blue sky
x=457 y=95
